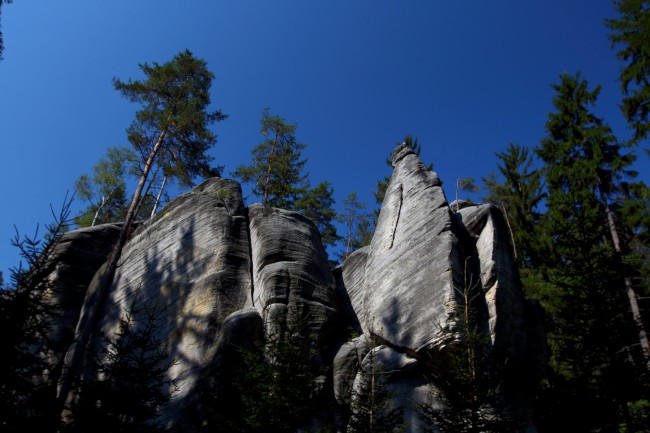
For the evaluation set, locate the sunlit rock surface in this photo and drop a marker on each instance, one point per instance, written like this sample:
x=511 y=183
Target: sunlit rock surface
x=211 y=277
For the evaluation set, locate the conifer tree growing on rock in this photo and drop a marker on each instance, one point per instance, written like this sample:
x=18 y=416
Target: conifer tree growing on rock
x=382 y=184
x=105 y=190
x=171 y=130
x=358 y=223
x=276 y=169
x=316 y=204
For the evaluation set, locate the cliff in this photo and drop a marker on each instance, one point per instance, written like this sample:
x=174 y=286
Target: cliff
x=210 y=277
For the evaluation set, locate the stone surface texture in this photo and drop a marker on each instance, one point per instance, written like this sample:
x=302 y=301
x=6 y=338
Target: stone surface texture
x=190 y=267
x=291 y=275
x=414 y=263
x=219 y=276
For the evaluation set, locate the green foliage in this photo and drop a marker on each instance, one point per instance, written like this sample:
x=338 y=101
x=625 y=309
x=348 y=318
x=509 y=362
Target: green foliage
x=465 y=184
x=105 y=190
x=466 y=389
x=591 y=335
x=371 y=408
x=317 y=204
x=277 y=384
x=519 y=196
x=630 y=31
x=276 y=169
x=359 y=224
x=131 y=384
x=26 y=317
x=175 y=97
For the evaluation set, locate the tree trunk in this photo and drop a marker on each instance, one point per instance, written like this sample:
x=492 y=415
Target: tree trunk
x=268 y=173
x=86 y=324
x=629 y=287
x=155 y=204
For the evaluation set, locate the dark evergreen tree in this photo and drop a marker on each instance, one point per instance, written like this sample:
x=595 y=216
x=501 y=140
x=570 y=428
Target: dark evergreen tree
x=130 y=386
x=27 y=398
x=593 y=335
x=630 y=30
x=519 y=196
x=276 y=171
x=372 y=410
x=466 y=388
x=277 y=383
x=317 y=204
x=2 y=45
x=170 y=130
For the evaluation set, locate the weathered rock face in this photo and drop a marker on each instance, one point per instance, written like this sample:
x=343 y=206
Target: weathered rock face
x=78 y=256
x=219 y=277
x=413 y=264
x=190 y=268
x=291 y=275
x=410 y=288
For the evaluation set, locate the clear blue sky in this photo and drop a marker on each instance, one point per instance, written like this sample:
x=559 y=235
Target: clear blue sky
x=465 y=78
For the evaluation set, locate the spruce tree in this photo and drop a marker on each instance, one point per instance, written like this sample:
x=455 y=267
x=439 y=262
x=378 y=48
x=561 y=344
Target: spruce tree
x=171 y=130
x=630 y=30
x=317 y=204
x=276 y=171
x=593 y=333
x=519 y=195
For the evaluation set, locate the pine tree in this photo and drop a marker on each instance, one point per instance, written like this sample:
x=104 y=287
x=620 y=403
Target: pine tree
x=276 y=171
x=171 y=130
x=593 y=334
x=630 y=30
x=465 y=184
x=317 y=204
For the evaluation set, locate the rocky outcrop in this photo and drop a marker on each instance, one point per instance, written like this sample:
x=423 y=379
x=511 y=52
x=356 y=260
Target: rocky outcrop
x=291 y=276
x=189 y=268
x=425 y=272
x=211 y=277
x=78 y=255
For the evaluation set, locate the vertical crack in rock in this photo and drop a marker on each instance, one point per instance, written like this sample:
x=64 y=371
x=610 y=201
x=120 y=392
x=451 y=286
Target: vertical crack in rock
x=396 y=221
x=250 y=258
x=394 y=208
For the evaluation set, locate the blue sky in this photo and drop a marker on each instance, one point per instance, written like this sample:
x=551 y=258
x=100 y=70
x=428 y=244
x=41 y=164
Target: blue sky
x=465 y=78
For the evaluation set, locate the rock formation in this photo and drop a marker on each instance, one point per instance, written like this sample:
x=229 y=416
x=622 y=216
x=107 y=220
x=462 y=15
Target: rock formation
x=217 y=276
